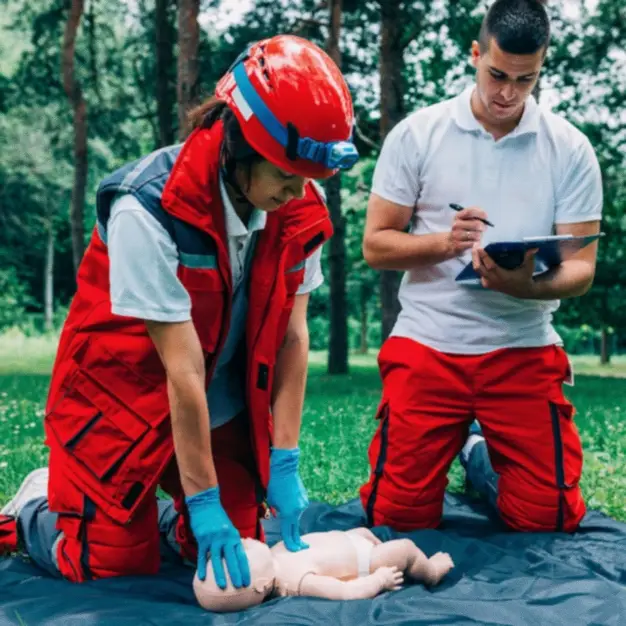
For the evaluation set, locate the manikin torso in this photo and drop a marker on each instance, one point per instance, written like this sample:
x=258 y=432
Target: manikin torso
x=332 y=554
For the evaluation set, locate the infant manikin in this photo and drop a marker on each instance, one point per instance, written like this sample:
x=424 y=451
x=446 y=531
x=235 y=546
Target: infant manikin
x=338 y=565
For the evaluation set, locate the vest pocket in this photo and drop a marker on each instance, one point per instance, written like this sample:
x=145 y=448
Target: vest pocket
x=93 y=428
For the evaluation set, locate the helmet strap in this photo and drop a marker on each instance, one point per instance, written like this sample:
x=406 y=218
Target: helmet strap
x=291 y=149
x=229 y=165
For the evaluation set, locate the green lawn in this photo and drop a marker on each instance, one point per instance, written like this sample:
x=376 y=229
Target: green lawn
x=338 y=424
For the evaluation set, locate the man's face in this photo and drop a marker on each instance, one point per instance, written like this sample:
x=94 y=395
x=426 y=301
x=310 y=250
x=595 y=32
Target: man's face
x=504 y=80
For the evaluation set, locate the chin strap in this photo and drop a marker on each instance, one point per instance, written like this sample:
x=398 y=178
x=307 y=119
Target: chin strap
x=228 y=174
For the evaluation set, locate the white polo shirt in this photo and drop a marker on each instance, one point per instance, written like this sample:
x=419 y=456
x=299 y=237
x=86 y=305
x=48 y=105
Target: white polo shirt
x=144 y=284
x=543 y=173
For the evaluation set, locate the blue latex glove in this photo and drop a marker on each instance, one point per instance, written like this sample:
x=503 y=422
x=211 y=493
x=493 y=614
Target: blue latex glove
x=215 y=533
x=286 y=494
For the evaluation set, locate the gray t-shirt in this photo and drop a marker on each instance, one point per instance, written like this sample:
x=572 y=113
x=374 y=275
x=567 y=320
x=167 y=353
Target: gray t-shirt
x=144 y=284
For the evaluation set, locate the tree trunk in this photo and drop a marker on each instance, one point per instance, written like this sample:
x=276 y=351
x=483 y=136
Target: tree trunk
x=188 y=38
x=75 y=96
x=363 y=298
x=605 y=351
x=391 y=112
x=338 y=341
x=164 y=60
x=49 y=280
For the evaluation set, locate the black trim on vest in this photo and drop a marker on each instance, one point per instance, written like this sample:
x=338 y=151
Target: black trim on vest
x=83 y=431
x=313 y=242
x=131 y=497
x=263 y=376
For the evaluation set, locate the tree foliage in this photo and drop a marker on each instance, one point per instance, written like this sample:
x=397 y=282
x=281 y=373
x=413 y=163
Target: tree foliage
x=125 y=63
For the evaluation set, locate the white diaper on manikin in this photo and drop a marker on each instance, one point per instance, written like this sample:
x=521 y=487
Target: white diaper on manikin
x=363 y=549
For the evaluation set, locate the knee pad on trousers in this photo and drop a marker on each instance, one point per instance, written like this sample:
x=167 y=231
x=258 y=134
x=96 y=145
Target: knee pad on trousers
x=386 y=506
x=541 y=510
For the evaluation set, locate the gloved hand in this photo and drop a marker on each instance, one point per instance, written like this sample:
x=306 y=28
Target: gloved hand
x=215 y=533
x=286 y=494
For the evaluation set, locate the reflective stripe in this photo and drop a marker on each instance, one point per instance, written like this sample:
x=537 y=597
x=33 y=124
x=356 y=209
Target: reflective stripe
x=198 y=261
x=242 y=103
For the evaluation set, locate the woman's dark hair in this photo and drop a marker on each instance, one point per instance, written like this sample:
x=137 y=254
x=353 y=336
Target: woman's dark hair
x=518 y=26
x=235 y=149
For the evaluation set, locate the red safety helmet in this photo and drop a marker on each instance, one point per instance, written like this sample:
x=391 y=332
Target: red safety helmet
x=293 y=106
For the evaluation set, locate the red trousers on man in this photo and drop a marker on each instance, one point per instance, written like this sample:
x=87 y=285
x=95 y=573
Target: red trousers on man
x=92 y=545
x=429 y=400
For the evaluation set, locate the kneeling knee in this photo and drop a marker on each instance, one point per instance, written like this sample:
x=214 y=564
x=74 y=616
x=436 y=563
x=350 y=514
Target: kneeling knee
x=559 y=511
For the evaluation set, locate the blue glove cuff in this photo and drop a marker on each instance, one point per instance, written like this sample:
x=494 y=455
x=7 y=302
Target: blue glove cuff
x=209 y=496
x=285 y=460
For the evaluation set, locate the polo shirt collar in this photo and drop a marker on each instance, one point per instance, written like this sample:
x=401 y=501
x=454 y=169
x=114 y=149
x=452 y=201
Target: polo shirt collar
x=234 y=226
x=464 y=117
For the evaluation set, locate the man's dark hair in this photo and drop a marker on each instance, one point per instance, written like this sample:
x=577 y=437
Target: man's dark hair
x=518 y=26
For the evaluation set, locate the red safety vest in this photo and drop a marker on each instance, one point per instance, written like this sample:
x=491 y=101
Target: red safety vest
x=107 y=414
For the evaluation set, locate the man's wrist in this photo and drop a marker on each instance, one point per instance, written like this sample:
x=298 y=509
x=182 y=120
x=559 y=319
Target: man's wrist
x=446 y=247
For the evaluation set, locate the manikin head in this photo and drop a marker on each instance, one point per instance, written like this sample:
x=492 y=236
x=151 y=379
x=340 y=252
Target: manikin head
x=262 y=578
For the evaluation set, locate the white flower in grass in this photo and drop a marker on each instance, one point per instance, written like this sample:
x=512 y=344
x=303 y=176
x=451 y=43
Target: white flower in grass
x=3 y=464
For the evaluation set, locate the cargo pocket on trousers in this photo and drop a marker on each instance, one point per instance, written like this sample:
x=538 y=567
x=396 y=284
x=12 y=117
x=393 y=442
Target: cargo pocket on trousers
x=93 y=428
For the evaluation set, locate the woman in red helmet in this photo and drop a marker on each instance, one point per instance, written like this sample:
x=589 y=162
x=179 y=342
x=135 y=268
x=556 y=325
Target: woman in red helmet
x=182 y=363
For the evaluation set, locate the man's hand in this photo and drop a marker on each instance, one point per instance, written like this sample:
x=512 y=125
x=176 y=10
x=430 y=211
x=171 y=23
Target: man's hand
x=286 y=494
x=466 y=230
x=215 y=534
x=518 y=283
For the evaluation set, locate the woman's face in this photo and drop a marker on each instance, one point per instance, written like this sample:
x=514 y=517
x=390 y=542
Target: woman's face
x=269 y=187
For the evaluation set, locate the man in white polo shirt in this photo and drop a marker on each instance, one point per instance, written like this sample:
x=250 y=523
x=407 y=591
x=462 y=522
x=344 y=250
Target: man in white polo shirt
x=456 y=353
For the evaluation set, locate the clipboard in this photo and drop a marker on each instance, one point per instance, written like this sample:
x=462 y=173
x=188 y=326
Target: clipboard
x=551 y=251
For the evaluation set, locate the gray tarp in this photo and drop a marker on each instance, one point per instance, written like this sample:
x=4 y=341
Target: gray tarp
x=500 y=578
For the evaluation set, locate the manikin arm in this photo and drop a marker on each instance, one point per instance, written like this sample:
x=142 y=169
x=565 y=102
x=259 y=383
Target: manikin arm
x=358 y=589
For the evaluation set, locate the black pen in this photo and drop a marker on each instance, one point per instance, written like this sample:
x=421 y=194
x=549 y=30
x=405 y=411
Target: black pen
x=458 y=207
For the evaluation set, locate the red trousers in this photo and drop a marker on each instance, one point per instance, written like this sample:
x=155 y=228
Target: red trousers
x=429 y=400
x=8 y=534
x=95 y=546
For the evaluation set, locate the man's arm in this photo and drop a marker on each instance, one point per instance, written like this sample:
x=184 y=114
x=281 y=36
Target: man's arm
x=387 y=247
x=180 y=351
x=290 y=377
x=572 y=278
x=579 y=200
x=358 y=589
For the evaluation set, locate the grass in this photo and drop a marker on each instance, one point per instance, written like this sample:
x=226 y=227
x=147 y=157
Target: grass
x=338 y=424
